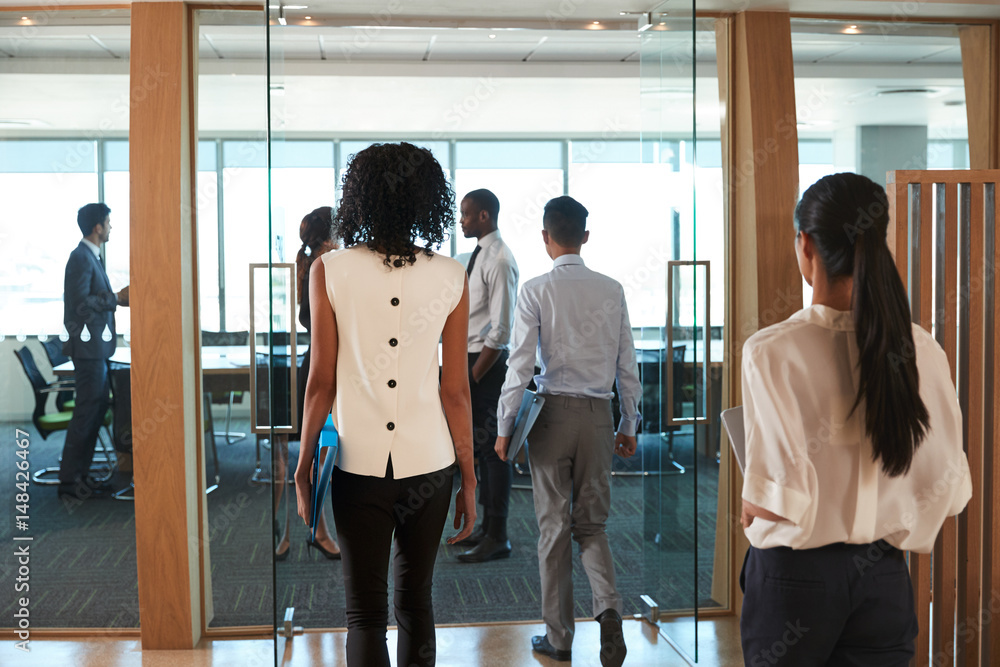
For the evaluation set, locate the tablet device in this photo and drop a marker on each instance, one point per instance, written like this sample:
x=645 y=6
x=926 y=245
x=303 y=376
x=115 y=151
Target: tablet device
x=732 y=419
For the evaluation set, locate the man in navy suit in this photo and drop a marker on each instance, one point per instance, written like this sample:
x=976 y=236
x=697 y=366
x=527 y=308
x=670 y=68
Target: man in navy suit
x=89 y=315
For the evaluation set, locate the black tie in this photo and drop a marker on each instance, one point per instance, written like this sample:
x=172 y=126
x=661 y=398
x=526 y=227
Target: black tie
x=472 y=260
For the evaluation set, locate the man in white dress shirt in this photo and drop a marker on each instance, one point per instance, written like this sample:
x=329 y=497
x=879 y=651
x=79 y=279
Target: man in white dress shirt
x=493 y=279
x=576 y=321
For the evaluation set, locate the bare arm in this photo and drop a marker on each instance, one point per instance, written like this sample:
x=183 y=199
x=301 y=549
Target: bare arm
x=457 y=402
x=750 y=511
x=321 y=387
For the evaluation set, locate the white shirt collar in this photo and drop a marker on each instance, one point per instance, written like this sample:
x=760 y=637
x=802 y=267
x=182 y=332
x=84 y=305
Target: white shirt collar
x=566 y=260
x=489 y=239
x=826 y=317
x=96 y=250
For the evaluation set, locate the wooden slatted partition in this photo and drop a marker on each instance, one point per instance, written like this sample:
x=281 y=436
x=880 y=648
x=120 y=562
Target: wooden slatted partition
x=943 y=234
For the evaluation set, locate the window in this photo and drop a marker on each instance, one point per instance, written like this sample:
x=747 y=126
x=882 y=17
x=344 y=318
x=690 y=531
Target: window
x=41 y=230
x=523 y=175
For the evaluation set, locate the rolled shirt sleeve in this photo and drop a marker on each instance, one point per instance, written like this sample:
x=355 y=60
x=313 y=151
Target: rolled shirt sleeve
x=779 y=476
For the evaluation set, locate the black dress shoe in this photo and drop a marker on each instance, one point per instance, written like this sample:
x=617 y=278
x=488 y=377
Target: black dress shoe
x=478 y=533
x=84 y=491
x=488 y=549
x=540 y=644
x=612 y=638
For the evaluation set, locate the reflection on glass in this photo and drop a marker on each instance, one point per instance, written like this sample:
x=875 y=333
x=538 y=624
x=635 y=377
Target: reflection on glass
x=232 y=233
x=900 y=107
x=64 y=78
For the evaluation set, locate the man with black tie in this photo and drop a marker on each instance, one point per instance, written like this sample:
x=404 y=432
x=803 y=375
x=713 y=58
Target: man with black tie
x=89 y=316
x=493 y=277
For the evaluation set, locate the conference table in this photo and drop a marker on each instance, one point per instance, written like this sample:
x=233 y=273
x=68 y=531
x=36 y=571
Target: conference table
x=224 y=369
x=224 y=361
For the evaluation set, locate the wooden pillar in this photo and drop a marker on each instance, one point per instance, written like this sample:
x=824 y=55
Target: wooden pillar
x=162 y=294
x=981 y=70
x=761 y=163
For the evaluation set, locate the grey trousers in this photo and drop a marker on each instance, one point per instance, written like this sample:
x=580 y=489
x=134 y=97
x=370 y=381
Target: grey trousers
x=570 y=449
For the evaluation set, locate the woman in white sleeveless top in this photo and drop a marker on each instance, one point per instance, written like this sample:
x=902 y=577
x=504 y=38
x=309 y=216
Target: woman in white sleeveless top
x=379 y=309
x=853 y=445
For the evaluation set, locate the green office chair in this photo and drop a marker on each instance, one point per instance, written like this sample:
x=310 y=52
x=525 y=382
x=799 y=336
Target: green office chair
x=48 y=423
x=53 y=350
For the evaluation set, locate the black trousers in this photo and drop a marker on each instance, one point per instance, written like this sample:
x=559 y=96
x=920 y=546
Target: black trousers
x=838 y=605
x=92 y=399
x=495 y=476
x=370 y=514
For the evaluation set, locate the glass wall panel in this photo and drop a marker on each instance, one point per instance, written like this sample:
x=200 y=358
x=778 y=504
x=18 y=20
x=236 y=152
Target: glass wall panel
x=670 y=444
x=875 y=96
x=232 y=234
x=64 y=120
x=507 y=129
x=524 y=176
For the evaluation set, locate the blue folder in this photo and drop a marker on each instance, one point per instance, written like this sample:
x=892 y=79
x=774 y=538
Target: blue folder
x=321 y=472
x=531 y=405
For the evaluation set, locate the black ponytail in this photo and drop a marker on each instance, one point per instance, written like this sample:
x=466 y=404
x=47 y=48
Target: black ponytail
x=847 y=216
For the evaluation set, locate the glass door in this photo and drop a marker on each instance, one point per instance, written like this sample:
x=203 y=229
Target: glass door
x=673 y=366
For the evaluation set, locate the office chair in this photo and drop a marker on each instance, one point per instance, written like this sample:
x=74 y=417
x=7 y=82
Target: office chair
x=274 y=388
x=53 y=350
x=225 y=338
x=679 y=391
x=48 y=423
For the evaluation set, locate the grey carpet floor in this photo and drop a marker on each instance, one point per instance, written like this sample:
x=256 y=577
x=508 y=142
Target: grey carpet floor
x=83 y=568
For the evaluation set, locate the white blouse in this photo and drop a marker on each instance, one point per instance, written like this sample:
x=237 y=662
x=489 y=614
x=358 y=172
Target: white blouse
x=810 y=463
x=389 y=322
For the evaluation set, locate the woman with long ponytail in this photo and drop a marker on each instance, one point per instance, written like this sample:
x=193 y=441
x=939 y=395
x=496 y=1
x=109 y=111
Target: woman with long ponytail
x=316 y=234
x=853 y=448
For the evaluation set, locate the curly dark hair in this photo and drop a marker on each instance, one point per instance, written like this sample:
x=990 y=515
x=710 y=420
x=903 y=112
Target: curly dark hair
x=396 y=197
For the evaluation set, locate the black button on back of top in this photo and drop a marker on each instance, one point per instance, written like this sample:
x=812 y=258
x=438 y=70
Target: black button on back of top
x=390 y=426
x=394 y=301
x=397 y=263
x=392 y=384
x=393 y=342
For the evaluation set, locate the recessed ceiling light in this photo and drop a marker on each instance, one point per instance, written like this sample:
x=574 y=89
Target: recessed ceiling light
x=24 y=18
x=308 y=18
x=597 y=23
x=493 y=36
x=852 y=30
